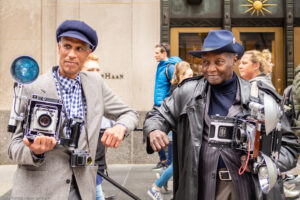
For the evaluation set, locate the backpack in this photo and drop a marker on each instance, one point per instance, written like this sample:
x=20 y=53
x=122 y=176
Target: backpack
x=175 y=60
x=288 y=106
x=167 y=72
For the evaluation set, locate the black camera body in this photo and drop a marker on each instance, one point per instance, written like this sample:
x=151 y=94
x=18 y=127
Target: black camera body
x=244 y=134
x=221 y=132
x=80 y=158
x=43 y=117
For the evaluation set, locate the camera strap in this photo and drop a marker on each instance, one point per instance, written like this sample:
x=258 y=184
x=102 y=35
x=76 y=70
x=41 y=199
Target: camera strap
x=68 y=120
x=85 y=120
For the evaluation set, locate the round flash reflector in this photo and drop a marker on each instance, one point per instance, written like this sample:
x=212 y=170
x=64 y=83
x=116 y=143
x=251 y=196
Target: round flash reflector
x=24 y=70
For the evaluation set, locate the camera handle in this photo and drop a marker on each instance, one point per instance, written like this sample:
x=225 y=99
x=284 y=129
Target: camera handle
x=15 y=114
x=75 y=132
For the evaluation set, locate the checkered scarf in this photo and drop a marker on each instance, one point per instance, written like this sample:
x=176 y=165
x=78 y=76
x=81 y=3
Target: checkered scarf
x=72 y=95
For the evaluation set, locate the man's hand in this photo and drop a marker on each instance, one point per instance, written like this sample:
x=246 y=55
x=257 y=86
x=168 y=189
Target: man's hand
x=158 y=140
x=112 y=137
x=41 y=144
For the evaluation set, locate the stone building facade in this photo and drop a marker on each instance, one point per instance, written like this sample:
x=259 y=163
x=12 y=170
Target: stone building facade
x=128 y=31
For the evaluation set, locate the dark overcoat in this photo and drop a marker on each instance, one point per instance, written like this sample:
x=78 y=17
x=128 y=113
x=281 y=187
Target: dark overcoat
x=183 y=112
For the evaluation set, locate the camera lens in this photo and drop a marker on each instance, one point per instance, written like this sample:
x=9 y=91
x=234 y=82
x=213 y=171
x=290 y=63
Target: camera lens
x=89 y=160
x=44 y=120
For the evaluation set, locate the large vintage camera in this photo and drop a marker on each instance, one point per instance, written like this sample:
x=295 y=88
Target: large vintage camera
x=244 y=134
x=258 y=135
x=43 y=114
x=254 y=132
x=43 y=117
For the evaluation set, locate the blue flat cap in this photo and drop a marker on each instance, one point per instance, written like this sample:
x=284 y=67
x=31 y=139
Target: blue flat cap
x=79 y=30
x=219 y=41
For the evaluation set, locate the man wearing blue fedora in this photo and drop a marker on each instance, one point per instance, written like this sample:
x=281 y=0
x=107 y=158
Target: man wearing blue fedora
x=44 y=164
x=202 y=171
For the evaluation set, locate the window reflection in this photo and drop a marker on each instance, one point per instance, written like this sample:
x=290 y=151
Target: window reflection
x=257 y=41
x=191 y=42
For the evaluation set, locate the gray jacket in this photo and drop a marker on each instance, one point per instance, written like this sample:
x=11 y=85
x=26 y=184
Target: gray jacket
x=263 y=78
x=50 y=179
x=183 y=112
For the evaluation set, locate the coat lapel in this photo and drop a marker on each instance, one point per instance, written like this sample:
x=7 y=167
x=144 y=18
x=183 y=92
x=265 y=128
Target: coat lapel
x=90 y=92
x=47 y=81
x=195 y=111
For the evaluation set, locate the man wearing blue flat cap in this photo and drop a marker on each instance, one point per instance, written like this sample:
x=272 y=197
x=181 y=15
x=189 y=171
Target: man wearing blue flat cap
x=202 y=171
x=44 y=169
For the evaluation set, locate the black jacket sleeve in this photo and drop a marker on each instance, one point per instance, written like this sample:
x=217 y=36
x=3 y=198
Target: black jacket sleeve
x=290 y=148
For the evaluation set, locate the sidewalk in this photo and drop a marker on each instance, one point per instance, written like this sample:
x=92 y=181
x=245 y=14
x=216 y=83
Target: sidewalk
x=136 y=178
x=6 y=177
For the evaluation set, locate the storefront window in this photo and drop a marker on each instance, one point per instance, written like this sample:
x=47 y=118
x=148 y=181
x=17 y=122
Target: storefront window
x=191 y=42
x=257 y=41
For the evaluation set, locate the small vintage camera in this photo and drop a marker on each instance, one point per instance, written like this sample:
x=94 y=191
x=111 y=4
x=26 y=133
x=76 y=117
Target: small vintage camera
x=80 y=158
x=43 y=117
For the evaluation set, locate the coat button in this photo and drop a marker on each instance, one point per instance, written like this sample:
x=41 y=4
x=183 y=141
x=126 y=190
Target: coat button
x=68 y=181
x=213 y=175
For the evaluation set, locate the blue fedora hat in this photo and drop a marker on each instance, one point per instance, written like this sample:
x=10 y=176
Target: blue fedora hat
x=219 y=41
x=79 y=30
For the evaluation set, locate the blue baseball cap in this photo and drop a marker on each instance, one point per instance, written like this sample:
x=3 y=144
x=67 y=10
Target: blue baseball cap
x=79 y=30
x=219 y=41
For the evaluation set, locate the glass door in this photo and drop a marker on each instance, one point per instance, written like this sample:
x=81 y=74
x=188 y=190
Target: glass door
x=259 y=38
x=184 y=40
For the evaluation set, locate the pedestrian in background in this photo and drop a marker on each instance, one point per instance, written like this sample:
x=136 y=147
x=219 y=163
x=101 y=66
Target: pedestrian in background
x=253 y=66
x=164 y=74
x=182 y=71
x=92 y=63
